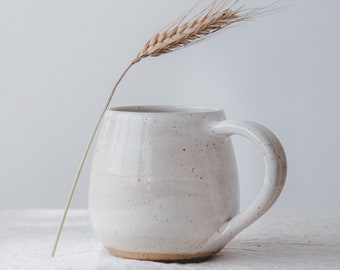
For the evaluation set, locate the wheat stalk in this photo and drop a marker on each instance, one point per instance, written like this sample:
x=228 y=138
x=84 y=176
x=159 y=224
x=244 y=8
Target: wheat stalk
x=181 y=33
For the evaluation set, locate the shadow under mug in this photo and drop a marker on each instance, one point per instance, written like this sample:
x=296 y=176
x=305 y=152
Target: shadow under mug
x=164 y=182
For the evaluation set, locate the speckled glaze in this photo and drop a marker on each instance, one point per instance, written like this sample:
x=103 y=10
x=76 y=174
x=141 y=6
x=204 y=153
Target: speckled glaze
x=164 y=182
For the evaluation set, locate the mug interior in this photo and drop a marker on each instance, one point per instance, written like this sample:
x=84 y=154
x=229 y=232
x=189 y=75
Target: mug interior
x=164 y=109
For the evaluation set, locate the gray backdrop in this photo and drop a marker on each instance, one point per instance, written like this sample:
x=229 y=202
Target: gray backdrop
x=59 y=60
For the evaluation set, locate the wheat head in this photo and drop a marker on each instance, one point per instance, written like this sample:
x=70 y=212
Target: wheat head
x=217 y=16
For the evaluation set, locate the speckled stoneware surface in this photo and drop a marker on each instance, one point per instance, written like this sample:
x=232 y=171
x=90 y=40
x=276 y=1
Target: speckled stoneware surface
x=164 y=182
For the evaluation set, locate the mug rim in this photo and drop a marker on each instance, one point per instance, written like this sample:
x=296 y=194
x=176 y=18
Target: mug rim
x=164 y=109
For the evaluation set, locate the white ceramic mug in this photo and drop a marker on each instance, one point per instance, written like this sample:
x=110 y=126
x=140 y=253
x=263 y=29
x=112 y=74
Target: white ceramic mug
x=164 y=182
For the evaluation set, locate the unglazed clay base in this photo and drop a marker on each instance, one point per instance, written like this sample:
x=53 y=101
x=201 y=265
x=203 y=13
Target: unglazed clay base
x=161 y=257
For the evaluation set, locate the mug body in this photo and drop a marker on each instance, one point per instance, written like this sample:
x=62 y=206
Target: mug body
x=162 y=184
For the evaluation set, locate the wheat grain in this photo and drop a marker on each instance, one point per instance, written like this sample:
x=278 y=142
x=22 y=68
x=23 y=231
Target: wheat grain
x=217 y=16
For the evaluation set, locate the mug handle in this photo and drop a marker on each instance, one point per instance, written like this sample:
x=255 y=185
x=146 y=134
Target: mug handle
x=274 y=180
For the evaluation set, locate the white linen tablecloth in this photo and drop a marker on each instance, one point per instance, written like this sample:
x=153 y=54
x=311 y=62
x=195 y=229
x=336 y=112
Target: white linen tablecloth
x=276 y=241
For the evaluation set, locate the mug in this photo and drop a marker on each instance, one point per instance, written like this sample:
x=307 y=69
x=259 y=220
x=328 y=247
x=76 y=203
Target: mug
x=164 y=183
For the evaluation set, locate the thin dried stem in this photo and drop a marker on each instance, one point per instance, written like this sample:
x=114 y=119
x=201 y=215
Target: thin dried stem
x=75 y=181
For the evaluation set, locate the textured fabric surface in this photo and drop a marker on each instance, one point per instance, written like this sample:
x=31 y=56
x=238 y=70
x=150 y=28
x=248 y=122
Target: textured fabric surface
x=276 y=241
